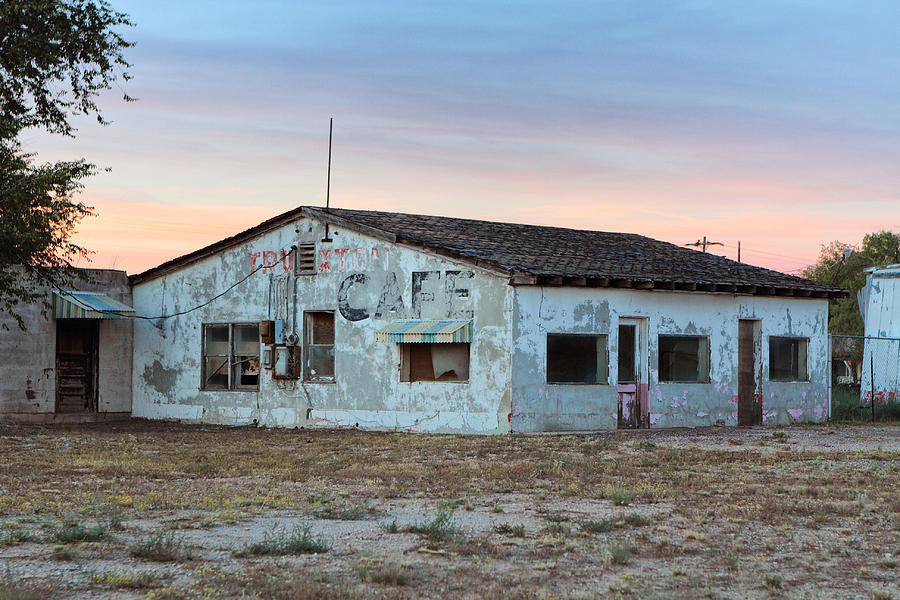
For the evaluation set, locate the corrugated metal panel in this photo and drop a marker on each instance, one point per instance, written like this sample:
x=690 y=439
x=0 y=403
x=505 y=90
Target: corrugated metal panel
x=87 y=305
x=426 y=332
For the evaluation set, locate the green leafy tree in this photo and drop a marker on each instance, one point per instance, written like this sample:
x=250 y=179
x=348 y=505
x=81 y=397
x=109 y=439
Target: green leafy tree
x=56 y=57
x=844 y=265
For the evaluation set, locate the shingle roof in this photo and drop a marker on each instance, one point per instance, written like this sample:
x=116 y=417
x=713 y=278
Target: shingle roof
x=534 y=254
x=554 y=255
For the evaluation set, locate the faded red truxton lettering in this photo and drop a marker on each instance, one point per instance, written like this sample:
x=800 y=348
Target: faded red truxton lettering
x=287 y=260
x=269 y=259
x=340 y=252
x=253 y=256
x=324 y=265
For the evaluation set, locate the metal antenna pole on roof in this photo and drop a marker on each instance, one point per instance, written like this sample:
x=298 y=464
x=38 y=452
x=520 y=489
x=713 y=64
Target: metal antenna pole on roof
x=328 y=185
x=705 y=243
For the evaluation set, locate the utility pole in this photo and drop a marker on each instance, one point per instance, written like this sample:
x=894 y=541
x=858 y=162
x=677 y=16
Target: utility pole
x=703 y=244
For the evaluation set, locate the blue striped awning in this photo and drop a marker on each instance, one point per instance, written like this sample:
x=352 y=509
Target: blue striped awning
x=88 y=305
x=426 y=332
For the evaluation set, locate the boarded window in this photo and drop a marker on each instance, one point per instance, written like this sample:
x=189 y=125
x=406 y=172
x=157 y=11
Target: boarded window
x=684 y=358
x=575 y=358
x=787 y=359
x=306 y=259
x=319 y=346
x=230 y=356
x=434 y=362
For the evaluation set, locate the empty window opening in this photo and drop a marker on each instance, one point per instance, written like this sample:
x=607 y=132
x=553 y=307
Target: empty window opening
x=684 y=358
x=576 y=358
x=319 y=346
x=627 y=352
x=434 y=362
x=787 y=359
x=230 y=356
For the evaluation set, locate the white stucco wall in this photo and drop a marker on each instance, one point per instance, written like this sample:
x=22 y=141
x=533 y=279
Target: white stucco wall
x=368 y=283
x=28 y=372
x=539 y=406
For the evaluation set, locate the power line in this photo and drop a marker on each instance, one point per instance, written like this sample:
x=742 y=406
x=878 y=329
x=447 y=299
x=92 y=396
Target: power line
x=49 y=280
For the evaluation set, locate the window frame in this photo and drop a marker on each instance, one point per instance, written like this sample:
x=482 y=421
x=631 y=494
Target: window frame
x=308 y=332
x=406 y=349
x=802 y=377
x=707 y=362
x=602 y=374
x=231 y=385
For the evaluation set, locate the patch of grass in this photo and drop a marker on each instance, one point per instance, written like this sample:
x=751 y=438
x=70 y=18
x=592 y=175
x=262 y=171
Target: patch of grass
x=593 y=526
x=511 y=530
x=618 y=495
x=391 y=527
x=12 y=534
x=557 y=529
x=636 y=520
x=616 y=554
x=164 y=546
x=555 y=517
x=606 y=525
x=299 y=540
x=439 y=529
x=72 y=530
x=126 y=580
x=353 y=513
x=11 y=589
x=773 y=581
x=371 y=571
x=260 y=581
x=63 y=553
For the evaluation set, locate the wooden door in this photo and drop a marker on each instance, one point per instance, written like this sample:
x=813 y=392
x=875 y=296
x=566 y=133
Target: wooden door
x=633 y=375
x=76 y=365
x=749 y=398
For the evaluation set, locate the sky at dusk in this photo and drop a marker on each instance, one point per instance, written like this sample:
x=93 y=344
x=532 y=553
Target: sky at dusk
x=773 y=123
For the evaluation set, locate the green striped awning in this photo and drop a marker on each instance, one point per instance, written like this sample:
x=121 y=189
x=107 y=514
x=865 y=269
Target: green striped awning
x=88 y=305
x=427 y=332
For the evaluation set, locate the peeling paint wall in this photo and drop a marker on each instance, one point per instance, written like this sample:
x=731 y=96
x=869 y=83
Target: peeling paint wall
x=28 y=373
x=881 y=357
x=368 y=283
x=539 y=406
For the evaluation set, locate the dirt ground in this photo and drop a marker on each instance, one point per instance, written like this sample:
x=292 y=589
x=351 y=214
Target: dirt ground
x=163 y=511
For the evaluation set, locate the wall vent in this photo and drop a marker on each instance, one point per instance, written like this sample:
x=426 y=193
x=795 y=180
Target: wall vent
x=306 y=259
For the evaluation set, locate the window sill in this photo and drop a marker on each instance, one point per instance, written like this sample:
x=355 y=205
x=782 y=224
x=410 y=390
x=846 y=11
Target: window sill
x=327 y=381
x=578 y=383
x=684 y=383
x=432 y=381
x=256 y=389
x=789 y=381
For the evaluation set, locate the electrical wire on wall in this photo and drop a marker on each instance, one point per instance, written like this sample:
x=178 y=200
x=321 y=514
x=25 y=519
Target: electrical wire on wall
x=189 y=310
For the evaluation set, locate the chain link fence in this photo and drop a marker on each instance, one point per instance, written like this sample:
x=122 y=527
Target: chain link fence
x=865 y=378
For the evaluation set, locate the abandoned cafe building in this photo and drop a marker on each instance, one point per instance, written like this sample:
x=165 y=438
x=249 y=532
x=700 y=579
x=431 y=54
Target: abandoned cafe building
x=350 y=318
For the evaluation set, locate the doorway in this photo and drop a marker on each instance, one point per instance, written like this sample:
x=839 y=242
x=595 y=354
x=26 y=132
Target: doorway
x=633 y=374
x=749 y=393
x=76 y=365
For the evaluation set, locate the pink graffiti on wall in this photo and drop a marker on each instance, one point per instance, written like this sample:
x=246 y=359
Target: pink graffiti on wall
x=269 y=260
x=339 y=260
